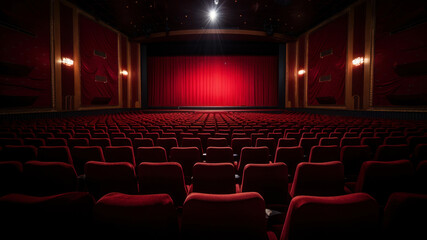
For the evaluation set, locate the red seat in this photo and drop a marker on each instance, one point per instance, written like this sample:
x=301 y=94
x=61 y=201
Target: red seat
x=21 y=153
x=54 y=154
x=216 y=142
x=238 y=143
x=252 y=155
x=379 y=179
x=102 y=142
x=353 y=157
x=392 y=152
x=167 y=143
x=287 y=142
x=167 y=177
x=36 y=142
x=46 y=216
x=56 y=142
x=324 y=154
x=187 y=157
x=119 y=154
x=267 y=142
x=215 y=178
x=121 y=142
x=269 y=180
x=291 y=156
x=404 y=216
x=318 y=179
x=106 y=177
x=151 y=216
x=10 y=177
x=49 y=178
x=329 y=141
x=346 y=141
x=150 y=154
x=224 y=216
x=351 y=216
x=307 y=144
x=72 y=142
x=219 y=155
x=83 y=154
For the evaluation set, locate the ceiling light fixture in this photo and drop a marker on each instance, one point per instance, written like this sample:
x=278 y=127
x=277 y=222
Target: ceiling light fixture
x=212 y=15
x=301 y=72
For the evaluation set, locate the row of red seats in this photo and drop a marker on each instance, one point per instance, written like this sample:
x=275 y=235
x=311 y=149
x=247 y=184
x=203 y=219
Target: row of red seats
x=213 y=216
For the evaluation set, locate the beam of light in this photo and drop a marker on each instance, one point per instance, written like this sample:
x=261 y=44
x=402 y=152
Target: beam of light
x=212 y=15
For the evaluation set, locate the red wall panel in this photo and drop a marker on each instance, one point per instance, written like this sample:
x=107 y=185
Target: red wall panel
x=94 y=36
x=400 y=41
x=67 y=51
x=331 y=36
x=25 y=65
x=291 y=61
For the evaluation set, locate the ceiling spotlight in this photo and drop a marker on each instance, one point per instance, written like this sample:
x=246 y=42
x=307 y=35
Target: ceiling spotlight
x=216 y=2
x=301 y=72
x=212 y=15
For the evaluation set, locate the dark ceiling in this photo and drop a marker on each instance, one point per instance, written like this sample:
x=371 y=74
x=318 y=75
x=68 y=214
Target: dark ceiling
x=140 y=19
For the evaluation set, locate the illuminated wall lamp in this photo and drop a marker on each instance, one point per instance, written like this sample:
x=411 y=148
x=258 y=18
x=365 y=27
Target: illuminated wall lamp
x=358 y=61
x=124 y=73
x=301 y=72
x=67 y=62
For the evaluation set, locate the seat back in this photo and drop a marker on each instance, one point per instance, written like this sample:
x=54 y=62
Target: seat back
x=54 y=154
x=238 y=143
x=21 y=153
x=224 y=216
x=318 y=179
x=353 y=157
x=167 y=143
x=379 y=179
x=291 y=156
x=351 y=216
x=119 y=154
x=83 y=154
x=10 y=177
x=287 y=142
x=215 y=178
x=217 y=142
x=219 y=155
x=48 y=178
x=324 y=154
x=404 y=215
x=152 y=216
x=252 y=155
x=150 y=154
x=392 y=152
x=106 y=177
x=269 y=180
x=187 y=157
x=166 y=177
x=121 y=142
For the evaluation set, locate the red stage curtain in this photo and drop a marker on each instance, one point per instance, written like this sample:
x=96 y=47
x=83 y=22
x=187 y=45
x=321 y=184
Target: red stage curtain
x=212 y=81
x=399 y=42
x=359 y=50
x=331 y=36
x=134 y=73
x=25 y=73
x=291 y=72
x=301 y=65
x=124 y=61
x=93 y=37
x=67 y=51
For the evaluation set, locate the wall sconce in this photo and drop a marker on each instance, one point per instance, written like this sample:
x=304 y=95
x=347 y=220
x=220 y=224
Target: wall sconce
x=67 y=62
x=124 y=73
x=358 y=61
x=301 y=72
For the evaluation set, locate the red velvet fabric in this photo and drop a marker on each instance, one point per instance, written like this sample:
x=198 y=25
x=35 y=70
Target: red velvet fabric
x=393 y=48
x=134 y=73
x=291 y=60
x=94 y=36
x=301 y=65
x=67 y=51
x=25 y=46
x=124 y=66
x=358 y=50
x=331 y=36
x=212 y=81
